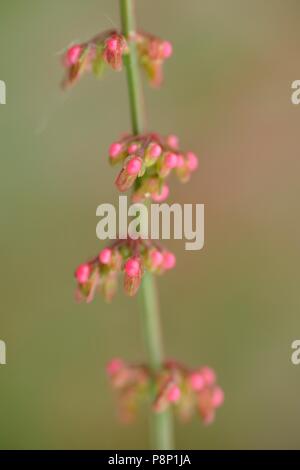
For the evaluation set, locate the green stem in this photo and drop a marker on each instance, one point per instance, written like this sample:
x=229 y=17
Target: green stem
x=162 y=426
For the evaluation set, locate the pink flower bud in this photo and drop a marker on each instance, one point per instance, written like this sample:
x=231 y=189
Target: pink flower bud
x=156 y=258
x=114 y=49
x=132 y=267
x=169 y=261
x=115 y=149
x=167 y=49
x=105 y=256
x=112 y=44
x=82 y=273
x=192 y=161
x=173 y=394
x=170 y=160
x=217 y=398
x=132 y=148
x=180 y=161
x=155 y=150
x=196 y=381
x=162 y=195
x=114 y=366
x=134 y=166
x=208 y=375
x=73 y=55
x=173 y=141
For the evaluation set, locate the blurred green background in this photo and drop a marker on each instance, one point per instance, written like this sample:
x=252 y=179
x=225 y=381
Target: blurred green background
x=234 y=305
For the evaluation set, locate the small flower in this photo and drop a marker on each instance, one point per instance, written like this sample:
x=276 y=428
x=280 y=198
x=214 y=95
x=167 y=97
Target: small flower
x=192 y=161
x=173 y=394
x=196 y=381
x=156 y=258
x=83 y=273
x=169 y=260
x=105 y=256
x=115 y=149
x=208 y=375
x=153 y=51
x=114 y=48
x=217 y=398
x=134 y=165
x=72 y=55
x=173 y=141
x=114 y=366
x=132 y=267
x=167 y=49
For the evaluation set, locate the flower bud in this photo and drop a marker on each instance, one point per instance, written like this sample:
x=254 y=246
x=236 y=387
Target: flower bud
x=169 y=260
x=162 y=195
x=180 y=161
x=173 y=141
x=132 y=267
x=134 y=166
x=112 y=44
x=115 y=149
x=217 y=398
x=196 y=381
x=173 y=394
x=105 y=256
x=170 y=160
x=124 y=181
x=132 y=148
x=192 y=161
x=114 y=366
x=72 y=55
x=152 y=153
x=167 y=49
x=156 y=258
x=114 y=49
x=208 y=375
x=82 y=273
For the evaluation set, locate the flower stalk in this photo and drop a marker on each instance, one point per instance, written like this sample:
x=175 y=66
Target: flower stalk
x=162 y=428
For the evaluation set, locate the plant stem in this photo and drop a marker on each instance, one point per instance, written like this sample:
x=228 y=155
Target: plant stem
x=162 y=427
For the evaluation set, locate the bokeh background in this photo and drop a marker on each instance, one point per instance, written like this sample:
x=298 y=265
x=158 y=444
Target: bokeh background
x=234 y=305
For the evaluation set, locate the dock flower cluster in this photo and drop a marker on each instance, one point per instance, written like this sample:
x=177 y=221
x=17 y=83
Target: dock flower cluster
x=147 y=161
x=186 y=390
x=108 y=48
x=128 y=257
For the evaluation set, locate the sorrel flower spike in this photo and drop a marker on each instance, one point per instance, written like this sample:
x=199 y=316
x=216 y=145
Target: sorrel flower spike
x=130 y=257
x=147 y=160
x=145 y=166
x=185 y=390
x=108 y=48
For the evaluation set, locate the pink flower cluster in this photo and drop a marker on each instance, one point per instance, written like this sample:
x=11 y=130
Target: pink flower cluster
x=132 y=257
x=188 y=390
x=147 y=160
x=105 y=49
x=153 y=52
x=109 y=48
